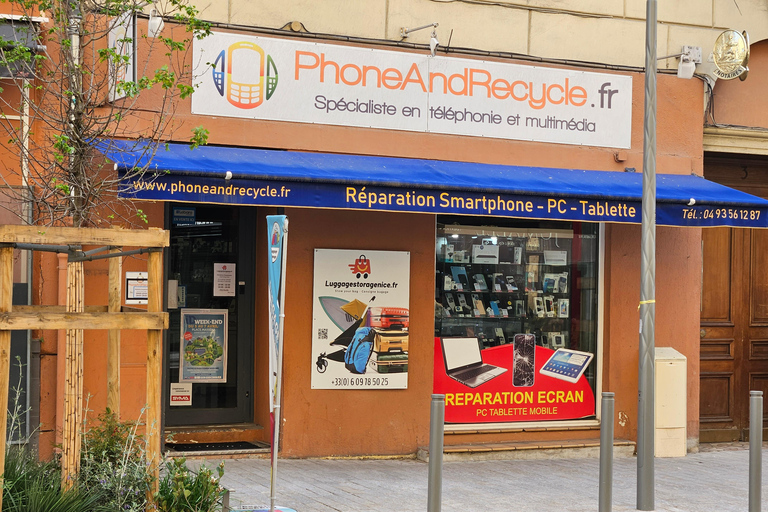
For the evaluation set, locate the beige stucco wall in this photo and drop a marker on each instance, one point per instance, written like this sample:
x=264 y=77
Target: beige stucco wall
x=601 y=31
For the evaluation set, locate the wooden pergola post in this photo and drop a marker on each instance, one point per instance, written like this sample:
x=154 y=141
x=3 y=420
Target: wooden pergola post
x=75 y=318
x=73 y=379
x=6 y=304
x=113 y=337
x=154 y=365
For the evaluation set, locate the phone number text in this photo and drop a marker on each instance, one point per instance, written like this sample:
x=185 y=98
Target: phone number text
x=348 y=382
x=721 y=213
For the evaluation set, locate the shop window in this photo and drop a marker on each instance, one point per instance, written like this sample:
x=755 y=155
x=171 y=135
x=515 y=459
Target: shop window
x=516 y=320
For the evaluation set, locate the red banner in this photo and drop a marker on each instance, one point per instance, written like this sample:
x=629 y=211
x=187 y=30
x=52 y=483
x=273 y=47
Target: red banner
x=498 y=400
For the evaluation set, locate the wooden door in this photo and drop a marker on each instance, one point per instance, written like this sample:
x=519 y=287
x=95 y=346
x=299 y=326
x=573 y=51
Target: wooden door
x=734 y=330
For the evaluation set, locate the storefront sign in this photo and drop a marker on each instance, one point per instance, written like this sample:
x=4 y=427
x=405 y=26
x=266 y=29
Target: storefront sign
x=529 y=382
x=181 y=393
x=224 y=279
x=731 y=55
x=183 y=216
x=395 y=199
x=204 y=345
x=360 y=319
x=287 y=80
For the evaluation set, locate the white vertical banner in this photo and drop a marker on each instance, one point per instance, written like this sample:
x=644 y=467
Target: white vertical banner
x=360 y=319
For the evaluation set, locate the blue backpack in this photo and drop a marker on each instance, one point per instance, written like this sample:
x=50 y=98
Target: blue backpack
x=359 y=350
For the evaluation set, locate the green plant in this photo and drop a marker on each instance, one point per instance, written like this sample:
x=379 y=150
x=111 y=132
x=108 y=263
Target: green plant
x=113 y=462
x=35 y=486
x=182 y=490
x=32 y=485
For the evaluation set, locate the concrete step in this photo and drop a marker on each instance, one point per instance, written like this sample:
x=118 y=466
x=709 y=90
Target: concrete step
x=572 y=448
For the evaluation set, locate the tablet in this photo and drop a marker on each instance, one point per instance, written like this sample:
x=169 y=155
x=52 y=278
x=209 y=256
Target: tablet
x=566 y=364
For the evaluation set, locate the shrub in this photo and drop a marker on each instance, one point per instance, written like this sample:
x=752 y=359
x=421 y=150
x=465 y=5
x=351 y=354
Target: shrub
x=182 y=490
x=113 y=461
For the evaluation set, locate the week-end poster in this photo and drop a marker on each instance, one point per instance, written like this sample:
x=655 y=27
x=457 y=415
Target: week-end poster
x=204 y=345
x=360 y=319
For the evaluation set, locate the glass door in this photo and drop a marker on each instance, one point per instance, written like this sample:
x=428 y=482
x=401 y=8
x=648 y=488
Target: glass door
x=207 y=242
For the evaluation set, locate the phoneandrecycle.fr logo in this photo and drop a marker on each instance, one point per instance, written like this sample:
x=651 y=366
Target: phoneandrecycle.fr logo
x=234 y=75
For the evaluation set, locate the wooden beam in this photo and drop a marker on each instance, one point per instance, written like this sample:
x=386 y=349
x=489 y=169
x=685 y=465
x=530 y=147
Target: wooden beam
x=113 y=337
x=727 y=139
x=141 y=321
x=152 y=237
x=6 y=301
x=73 y=379
x=45 y=309
x=154 y=368
x=52 y=308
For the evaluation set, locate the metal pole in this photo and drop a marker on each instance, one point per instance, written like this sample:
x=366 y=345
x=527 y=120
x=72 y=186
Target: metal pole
x=436 y=425
x=755 y=449
x=646 y=398
x=606 y=454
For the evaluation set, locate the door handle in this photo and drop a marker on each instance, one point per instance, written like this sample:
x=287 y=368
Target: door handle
x=702 y=333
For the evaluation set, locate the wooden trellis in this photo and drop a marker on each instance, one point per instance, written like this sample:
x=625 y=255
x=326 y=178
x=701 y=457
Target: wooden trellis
x=75 y=317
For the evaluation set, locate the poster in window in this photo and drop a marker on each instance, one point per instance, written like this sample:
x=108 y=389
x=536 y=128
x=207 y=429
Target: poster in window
x=203 y=345
x=360 y=319
x=224 y=279
x=524 y=379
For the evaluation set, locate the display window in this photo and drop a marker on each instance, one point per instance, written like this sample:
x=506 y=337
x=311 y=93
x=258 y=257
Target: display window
x=516 y=327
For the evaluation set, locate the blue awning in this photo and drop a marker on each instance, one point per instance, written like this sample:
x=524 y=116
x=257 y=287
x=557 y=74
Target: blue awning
x=226 y=175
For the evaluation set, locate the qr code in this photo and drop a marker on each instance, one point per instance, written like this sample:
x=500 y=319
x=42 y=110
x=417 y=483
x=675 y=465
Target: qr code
x=322 y=334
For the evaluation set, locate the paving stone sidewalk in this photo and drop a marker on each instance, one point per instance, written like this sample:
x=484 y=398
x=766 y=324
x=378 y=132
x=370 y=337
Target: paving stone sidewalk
x=715 y=480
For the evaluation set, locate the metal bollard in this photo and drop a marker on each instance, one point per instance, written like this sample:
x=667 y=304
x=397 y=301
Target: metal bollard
x=225 y=502
x=606 y=454
x=755 y=449
x=436 y=428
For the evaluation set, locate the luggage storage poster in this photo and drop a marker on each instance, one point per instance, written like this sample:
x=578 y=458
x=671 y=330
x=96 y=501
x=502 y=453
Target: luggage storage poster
x=360 y=319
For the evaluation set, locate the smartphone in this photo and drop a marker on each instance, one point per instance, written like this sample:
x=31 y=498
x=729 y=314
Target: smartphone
x=525 y=360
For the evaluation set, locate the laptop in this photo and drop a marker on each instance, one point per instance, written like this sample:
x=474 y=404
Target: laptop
x=464 y=363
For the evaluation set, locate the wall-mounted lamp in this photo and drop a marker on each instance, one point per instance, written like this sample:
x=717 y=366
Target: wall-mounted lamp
x=155 y=25
x=433 y=42
x=689 y=57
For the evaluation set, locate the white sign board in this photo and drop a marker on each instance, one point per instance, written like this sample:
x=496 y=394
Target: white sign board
x=306 y=82
x=136 y=288
x=181 y=393
x=360 y=319
x=224 y=279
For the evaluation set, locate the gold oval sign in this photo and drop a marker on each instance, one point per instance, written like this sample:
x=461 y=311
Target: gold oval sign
x=731 y=54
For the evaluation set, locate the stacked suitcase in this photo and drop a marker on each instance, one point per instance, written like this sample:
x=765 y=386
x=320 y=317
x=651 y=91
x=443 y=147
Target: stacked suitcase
x=390 y=346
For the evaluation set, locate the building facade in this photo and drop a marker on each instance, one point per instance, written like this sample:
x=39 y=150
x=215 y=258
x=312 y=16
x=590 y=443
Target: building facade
x=504 y=172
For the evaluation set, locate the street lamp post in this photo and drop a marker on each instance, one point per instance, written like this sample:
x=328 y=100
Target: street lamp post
x=645 y=406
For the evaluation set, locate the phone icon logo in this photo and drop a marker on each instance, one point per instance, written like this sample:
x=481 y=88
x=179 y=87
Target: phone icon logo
x=244 y=75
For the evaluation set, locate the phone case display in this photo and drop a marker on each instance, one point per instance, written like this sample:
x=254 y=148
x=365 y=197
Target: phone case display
x=517 y=281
